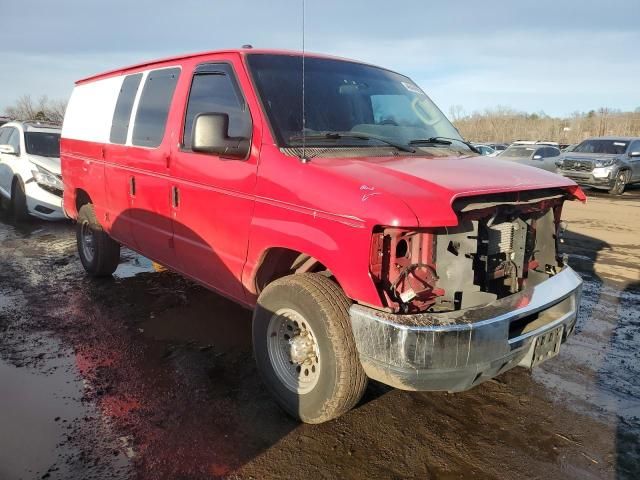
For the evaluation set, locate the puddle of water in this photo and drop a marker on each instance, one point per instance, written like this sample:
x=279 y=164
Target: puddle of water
x=41 y=416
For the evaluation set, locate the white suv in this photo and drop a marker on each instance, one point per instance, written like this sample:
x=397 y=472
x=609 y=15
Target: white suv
x=30 y=178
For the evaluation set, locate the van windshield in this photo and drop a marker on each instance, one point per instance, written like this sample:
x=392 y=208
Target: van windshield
x=344 y=97
x=43 y=144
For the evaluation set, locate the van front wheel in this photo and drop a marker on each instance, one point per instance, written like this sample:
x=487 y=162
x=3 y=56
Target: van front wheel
x=99 y=253
x=304 y=347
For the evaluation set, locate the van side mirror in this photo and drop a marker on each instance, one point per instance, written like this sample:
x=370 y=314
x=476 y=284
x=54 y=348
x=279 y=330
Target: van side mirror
x=634 y=154
x=537 y=157
x=211 y=135
x=8 y=149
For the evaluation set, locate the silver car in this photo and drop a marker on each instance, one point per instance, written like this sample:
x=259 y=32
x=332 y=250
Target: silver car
x=534 y=155
x=609 y=163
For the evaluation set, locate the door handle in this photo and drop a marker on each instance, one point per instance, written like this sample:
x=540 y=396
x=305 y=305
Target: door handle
x=175 y=196
x=132 y=186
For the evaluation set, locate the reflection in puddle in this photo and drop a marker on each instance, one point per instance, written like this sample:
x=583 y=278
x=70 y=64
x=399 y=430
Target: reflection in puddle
x=42 y=417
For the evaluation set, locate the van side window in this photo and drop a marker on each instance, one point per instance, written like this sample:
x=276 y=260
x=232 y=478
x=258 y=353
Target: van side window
x=151 y=117
x=124 y=105
x=214 y=89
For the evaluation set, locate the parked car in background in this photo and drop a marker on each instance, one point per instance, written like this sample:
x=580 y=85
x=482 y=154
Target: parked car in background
x=608 y=163
x=363 y=231
x=536 y=142
x=498 y=147
x=30 y=179
x=485 y=150
x=569 y=148
x=535 y=155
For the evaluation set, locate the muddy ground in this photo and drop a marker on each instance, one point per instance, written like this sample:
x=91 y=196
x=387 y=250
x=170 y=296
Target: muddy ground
x=149 y=376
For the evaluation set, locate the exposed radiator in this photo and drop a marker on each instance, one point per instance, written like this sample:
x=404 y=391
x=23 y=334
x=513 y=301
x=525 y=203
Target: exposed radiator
x=500 y=238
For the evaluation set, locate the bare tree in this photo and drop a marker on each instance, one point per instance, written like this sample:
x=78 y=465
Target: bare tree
x=43 y=109
x=456 y=112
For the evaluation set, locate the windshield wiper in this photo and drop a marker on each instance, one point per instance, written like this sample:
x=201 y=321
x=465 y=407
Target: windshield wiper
x=358 y=136
x=442 y=141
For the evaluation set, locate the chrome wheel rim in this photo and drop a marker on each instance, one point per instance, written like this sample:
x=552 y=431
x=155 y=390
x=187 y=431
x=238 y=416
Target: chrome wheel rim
x=87 y=239
x=293 y=351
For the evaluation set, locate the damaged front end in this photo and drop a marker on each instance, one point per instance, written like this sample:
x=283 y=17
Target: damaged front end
x=501 y=244
x=465 y=303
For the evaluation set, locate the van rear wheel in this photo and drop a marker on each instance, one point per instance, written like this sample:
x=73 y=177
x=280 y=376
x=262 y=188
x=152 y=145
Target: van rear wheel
x=304 y=347
x=99 y=253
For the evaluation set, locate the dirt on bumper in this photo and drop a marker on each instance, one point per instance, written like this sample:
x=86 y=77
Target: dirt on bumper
x=457 y=350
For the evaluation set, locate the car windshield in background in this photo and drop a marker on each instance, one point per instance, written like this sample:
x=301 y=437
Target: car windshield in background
x=519 y=152
x=43 y=144
x=347 y=98
x=613 y=147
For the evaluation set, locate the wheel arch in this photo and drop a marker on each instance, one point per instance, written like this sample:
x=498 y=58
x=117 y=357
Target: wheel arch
x=277 y=262
x=81 y=198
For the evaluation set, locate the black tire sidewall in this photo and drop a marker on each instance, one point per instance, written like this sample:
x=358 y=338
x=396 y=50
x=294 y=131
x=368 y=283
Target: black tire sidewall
x=106 y=256
x=620 y=183
x=305 y=406
x=19 y=200
x=86 y=215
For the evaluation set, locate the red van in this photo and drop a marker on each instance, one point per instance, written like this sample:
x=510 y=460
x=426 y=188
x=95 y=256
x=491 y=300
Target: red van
x=367 y=236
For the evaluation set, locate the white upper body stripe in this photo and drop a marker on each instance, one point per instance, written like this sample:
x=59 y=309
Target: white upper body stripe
x=90 y=109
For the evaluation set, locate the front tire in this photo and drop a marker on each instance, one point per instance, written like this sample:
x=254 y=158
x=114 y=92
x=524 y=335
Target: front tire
x=99 y=253
x=620 y=184
x=304 y=347
x=18 y=205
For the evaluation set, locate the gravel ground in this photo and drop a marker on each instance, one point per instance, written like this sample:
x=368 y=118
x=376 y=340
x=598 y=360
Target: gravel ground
x=149 y=376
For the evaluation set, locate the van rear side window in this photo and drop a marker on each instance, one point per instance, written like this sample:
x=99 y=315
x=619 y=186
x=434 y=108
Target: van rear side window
x=151 y=117
x=124 y=105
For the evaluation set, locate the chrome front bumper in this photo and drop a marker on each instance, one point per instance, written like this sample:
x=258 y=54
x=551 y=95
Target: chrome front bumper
x=455 y=351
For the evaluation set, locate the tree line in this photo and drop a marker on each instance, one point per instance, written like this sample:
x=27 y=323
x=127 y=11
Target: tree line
x=504 y=125
x=42 y=109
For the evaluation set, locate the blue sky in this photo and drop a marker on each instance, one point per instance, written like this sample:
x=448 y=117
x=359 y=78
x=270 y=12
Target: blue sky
x=552 y=56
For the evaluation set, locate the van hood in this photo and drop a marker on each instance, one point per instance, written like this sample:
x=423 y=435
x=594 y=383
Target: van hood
x=429 y=185
x=51 y=164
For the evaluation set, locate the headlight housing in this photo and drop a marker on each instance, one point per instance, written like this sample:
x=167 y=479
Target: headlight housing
x=45 y=178
x=605 y=162
x=403 y=268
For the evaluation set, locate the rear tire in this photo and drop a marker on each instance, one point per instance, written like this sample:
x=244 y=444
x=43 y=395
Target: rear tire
x=622 y=178
x=311 y=314
x=18 y=205
x=99 y=253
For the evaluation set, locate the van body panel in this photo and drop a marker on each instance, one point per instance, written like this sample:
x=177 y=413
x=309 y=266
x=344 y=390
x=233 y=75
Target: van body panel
x=216 y=195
